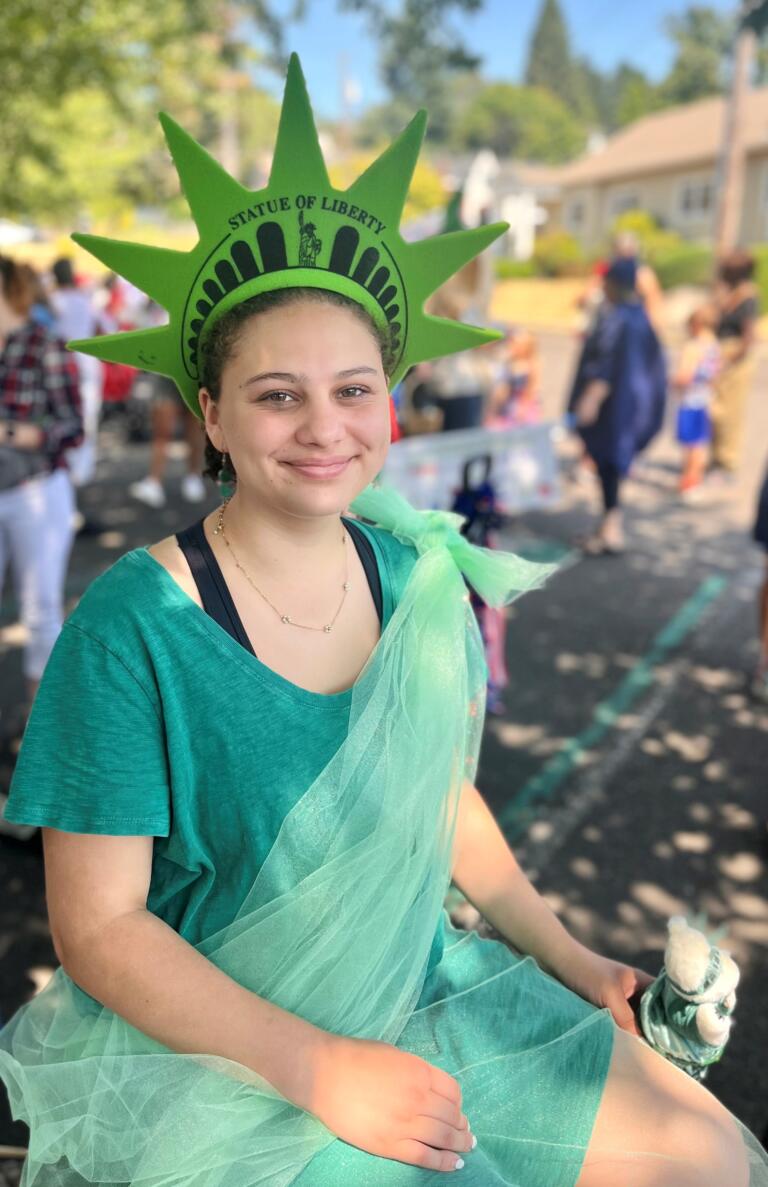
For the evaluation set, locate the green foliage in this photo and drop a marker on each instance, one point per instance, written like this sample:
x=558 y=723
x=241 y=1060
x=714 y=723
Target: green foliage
x=558 y=254
x=506 y=269
x=551 y=65
x=703 y=37
x=689 y=263
x=674 y=259
x=427 y=190
x=420 y=53
x=651 y=238
x=523 y=122
x=79 y=137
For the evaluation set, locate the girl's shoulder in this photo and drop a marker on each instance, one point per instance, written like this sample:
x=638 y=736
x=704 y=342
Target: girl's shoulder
x=119 y=603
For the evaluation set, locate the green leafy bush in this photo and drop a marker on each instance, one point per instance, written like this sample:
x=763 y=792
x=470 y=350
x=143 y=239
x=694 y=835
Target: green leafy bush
x=514 y=269
x=675 y=260
x=688 y=263
x=559 y=254
x=760 y=252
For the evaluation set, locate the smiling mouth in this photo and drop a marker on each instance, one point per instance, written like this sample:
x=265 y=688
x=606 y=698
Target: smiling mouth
x=320 y=469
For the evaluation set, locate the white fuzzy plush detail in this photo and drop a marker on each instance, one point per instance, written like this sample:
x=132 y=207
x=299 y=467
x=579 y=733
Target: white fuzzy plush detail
x=713 y=1027
x=687 y=954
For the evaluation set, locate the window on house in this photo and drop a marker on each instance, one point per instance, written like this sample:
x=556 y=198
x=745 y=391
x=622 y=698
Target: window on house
x=575 y=214
x=620 y=203
x=696 y=199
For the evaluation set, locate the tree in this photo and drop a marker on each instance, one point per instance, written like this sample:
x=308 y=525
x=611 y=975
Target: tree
x=552 y=66
x=704 y=38
x=635 y=96
x=420 y=54
x=78 y=128
x=528 y=123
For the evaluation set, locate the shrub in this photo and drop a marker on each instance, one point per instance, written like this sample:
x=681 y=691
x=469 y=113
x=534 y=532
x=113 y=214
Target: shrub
x=559 y=254
x=688 y=263
x=506 y=269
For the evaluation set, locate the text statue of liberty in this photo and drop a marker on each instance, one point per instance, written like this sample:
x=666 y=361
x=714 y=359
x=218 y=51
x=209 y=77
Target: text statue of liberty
x=309 y=244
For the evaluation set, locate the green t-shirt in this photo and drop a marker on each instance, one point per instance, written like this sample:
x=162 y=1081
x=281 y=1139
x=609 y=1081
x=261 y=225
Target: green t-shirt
x=152 y=720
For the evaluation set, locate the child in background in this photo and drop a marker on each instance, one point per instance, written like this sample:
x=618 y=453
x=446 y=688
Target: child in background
x=697 y=367
x=515 y=398
x=476 y=501
x=760 y=682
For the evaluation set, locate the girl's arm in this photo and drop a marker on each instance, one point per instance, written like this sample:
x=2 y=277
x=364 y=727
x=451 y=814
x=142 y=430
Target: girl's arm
x=139 y=967
x=487 y=873
x=371 y=1094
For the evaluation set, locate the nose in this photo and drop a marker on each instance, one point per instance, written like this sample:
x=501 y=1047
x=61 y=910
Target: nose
x=322 y=423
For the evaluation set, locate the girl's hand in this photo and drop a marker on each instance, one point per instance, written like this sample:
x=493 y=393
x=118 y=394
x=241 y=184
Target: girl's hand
x=390 y=1103
x=605 y=982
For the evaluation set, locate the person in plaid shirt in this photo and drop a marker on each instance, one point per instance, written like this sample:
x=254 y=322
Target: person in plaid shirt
x=40 y=418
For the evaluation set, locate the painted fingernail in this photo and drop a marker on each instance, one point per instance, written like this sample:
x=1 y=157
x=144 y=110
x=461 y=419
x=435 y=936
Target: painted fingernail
x=459 y=1163
x=474 y=1141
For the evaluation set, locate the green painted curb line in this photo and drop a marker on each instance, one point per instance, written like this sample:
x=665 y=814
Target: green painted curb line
x=604 y=717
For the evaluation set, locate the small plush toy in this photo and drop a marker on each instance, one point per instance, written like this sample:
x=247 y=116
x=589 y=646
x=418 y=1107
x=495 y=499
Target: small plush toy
x=685 y=1014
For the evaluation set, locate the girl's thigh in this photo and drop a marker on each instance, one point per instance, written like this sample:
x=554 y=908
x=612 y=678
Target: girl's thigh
x=656 y=1127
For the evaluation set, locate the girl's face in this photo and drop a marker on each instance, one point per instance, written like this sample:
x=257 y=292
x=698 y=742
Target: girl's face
x=303 y=409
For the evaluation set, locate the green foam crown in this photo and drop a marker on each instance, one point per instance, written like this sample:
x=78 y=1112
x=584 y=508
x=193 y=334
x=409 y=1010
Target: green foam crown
x=296 y=232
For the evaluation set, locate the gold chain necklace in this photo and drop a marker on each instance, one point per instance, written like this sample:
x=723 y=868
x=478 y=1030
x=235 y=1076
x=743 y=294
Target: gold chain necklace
x=284 y=618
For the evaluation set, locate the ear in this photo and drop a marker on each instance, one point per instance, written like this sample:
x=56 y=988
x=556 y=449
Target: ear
x=210 y=411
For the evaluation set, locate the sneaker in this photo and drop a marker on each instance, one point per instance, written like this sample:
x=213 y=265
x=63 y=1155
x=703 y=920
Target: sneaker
x=148 y=491
x=192 y=488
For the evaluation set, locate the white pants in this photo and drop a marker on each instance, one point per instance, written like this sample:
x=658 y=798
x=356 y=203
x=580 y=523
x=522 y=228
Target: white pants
x=36 y=536
x=82 y=459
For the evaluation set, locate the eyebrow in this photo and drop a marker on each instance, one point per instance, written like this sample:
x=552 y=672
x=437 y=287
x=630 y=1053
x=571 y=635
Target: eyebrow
x=289 y=377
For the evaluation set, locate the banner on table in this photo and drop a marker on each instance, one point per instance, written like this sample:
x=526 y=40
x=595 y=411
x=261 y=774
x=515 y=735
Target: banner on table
x=428 y=469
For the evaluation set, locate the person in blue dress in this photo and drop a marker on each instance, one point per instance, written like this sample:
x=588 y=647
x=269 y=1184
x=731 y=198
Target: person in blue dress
x=618 y=395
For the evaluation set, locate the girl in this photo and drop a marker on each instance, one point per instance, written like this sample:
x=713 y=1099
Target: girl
x=696 y=369
x=252 y=756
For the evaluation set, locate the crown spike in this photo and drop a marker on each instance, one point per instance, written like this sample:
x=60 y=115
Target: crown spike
x=150 y=350
x=297 y=147
x=437 y=336
x=210 y=191
x=384 y=185
x=157 y=271
x=437 y=258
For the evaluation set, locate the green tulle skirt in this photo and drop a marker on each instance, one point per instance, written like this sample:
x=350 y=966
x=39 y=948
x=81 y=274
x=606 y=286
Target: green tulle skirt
x=531 y=1058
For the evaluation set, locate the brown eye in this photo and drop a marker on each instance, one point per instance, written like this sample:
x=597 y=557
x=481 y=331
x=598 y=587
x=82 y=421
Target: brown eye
x=279 y=398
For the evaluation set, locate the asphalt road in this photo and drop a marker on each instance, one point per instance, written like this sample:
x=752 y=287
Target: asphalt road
x=630 y=766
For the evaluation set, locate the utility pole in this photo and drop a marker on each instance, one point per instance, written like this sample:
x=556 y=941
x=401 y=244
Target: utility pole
x=730 y=187
x=752 y=21
x=230 y=81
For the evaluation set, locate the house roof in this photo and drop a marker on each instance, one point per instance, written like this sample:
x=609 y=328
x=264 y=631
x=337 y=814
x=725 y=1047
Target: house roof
x=678 y=137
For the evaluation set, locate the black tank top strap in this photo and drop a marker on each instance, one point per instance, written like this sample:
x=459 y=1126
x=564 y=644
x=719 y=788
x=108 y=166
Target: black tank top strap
x=214 y=591
x=368 y=561
x=209 y=579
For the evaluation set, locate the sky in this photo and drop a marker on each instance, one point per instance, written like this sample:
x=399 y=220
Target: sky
x=606 y=31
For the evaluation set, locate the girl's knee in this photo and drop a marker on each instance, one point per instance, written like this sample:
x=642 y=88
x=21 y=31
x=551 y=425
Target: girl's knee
x=712 y=1140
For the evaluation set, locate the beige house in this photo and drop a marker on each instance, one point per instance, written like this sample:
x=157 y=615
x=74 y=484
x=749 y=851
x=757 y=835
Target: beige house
x=667 y=164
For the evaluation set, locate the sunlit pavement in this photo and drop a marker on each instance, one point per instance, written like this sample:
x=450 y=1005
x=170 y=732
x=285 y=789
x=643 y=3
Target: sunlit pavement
x=630 y=767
